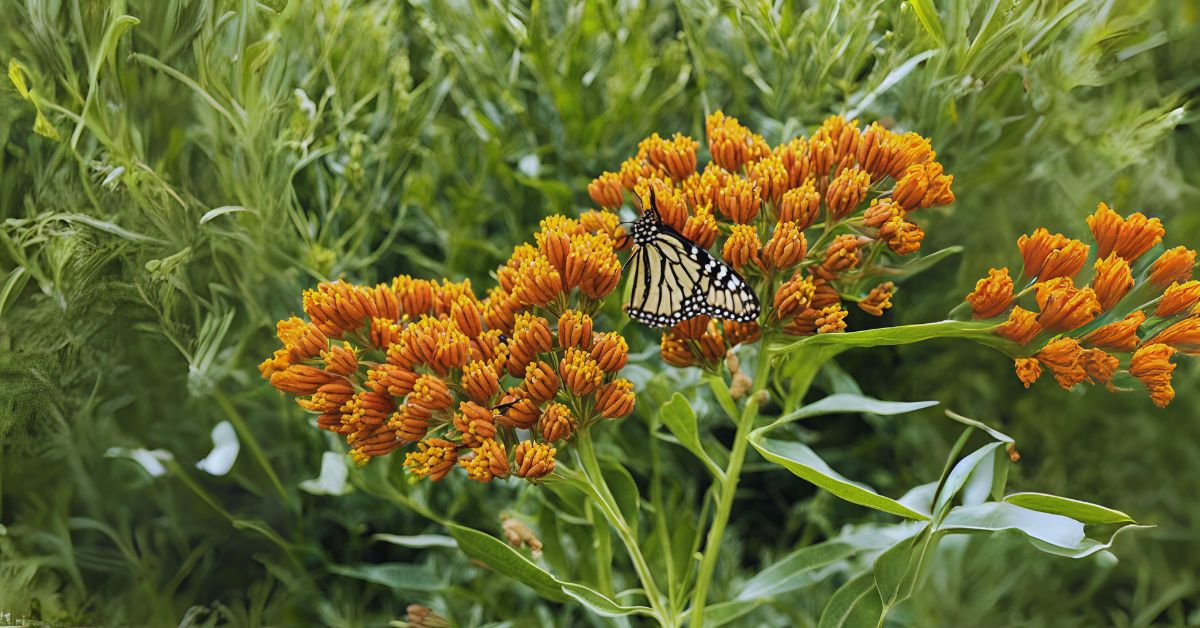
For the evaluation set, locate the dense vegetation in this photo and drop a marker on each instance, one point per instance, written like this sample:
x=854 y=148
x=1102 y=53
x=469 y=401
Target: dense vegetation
x=175 y=173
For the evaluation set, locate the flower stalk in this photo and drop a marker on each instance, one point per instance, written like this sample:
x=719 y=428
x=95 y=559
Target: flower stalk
x=727 y=487
x=588 y=462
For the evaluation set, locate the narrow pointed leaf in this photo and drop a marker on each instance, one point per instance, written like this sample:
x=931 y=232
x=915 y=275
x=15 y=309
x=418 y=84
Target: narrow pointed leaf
x=804 y=462
x=1086 y=512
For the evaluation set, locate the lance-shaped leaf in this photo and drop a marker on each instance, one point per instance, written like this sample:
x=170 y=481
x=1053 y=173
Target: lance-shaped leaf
x=1053 y=534
x=804 y=462
x=497 y=555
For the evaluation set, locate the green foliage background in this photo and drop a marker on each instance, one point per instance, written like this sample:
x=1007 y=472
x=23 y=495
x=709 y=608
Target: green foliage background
x=367 y=139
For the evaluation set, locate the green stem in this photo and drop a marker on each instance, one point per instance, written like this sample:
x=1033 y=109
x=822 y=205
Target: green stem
x=728 y=489
x=604 y=578
x=256 y=452
x=608 y=505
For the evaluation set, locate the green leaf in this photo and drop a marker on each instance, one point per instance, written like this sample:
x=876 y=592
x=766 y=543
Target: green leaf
x=995 y=516
x=833 y=344
x=928 y=16
x=919 y=265
x=893 y=77
x=855 y=604
x=624 y=490
x=600 y=604
x=505 y=560
x=416 y=541
x=678 y=416
x=849 y=404
x=394 y=575
x=897 y=570
x=1086 y=512
x=725 y=612
x=1050 y=533
x=920 y=498
x=994 y=433
x=958 y=476
x=796 y=570
x=804 y=462
x=220 y=211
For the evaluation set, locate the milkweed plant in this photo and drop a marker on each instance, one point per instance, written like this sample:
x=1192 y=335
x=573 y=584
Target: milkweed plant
x=519 y=382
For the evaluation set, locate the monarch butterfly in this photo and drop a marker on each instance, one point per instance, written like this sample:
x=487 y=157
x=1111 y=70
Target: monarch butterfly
x=672 y=279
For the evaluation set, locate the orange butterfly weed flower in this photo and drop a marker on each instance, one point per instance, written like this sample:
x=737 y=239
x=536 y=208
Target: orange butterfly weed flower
x=742 y=247
x=1112 y=281
x=847 y=190
x=674 y=352
x=711 y=344
x=610 y=351
x=731 y=144
x=474 y=423
x=739 y=200
x=580 y=373
x=606 y=190
x=676 y=156
x=1178 y=298
x=1174 y=265
x=480 y=381
x=841 y=255
x=1092 y=352
x=793 y=296
x=691 y=328
x=770 y=178
x=489 y=460
x=1183 y=336
x=534 y=460
x=556 y=423
x=902 y=236
x=882 y=211
x=1063 y=306
x=554 y=241
x=1100 y=366
x=701 y=227
x=1062 y=356
x=832 y=320
x=541 y=382
x=1028 y=370
x=1021 y=327
x=1118 y=336
x=1152 y=366
x=615 y=399
x=923 y=185
x=433 y=459
x=992 y=295
x=878 y=300
x=787 y=246
x=800 y=205
x=574 y=330
x=1128 y=238
x=448 y=355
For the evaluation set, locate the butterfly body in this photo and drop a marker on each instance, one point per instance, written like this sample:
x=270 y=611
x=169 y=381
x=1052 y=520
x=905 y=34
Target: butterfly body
x=673 y=280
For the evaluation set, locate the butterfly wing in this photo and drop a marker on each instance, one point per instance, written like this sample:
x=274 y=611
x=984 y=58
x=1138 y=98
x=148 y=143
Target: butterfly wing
x=674 y=280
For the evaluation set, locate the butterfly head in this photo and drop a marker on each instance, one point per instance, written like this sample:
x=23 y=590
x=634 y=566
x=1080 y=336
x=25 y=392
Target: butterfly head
x=648 y=226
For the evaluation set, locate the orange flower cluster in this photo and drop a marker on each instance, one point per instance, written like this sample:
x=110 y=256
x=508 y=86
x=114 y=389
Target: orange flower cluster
x=1087 y=329
x=490 y=385
x=849 y=191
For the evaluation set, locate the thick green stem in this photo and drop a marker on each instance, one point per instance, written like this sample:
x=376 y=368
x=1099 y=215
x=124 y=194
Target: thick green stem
x=608 y=505
x=728 y=489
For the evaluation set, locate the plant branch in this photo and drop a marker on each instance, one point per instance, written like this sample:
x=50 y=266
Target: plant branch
x=608 y=505
x=728 y=489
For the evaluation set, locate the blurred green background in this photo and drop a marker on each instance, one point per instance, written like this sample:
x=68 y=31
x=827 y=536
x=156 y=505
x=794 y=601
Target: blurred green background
x=173 y=181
